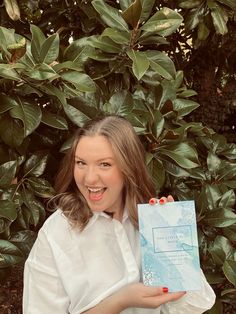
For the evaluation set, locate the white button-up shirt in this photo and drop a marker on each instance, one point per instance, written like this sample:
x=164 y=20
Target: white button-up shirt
x=69 y=271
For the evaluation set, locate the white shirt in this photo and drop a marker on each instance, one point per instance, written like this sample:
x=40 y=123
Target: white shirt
x=69 y=271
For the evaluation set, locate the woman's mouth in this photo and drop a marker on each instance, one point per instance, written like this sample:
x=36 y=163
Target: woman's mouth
x=96 y=194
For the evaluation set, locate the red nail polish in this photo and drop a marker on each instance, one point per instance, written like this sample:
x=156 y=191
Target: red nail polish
x=165 y=289
x=152 y=201
x=161 y=201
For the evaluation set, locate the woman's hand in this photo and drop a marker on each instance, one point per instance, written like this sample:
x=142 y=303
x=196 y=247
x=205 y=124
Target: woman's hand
x=162 y=200
x=135 y=295
x=140 y=296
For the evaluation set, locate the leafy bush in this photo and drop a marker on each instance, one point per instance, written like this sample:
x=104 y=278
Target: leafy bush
x=116 y=60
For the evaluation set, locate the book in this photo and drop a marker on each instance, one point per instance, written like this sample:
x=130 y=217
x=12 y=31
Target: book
x=169 y=245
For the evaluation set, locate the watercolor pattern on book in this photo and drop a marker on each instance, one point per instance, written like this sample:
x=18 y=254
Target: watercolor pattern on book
x=169 y=245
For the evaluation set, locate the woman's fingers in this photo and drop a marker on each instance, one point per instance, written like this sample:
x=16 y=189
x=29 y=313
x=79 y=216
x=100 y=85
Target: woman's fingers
x=162 y=200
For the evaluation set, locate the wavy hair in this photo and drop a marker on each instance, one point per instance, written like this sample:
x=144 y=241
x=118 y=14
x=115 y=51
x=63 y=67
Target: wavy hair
x=130 y=156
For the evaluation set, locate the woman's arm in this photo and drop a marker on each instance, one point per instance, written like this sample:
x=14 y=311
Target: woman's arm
x=134 y=295
x=43 y=290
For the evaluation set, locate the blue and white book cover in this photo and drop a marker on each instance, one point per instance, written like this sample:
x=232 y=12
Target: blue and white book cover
x=169 y=245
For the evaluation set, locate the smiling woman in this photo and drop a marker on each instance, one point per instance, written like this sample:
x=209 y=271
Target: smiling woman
x=86 y=258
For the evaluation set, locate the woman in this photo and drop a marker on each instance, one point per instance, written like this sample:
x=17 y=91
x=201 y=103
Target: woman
x=86 y=258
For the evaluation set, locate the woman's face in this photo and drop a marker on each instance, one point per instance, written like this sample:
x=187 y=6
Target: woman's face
x=98 y=176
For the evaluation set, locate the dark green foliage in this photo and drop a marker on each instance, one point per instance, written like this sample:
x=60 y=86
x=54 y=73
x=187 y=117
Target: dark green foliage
x=66 y=62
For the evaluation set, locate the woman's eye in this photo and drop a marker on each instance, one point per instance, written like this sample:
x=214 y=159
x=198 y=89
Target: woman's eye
x=80 y=162
x=105 y=164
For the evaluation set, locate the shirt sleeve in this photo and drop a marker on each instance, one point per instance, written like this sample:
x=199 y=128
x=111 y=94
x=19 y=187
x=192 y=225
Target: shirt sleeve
x=194 y=302
x=43 y=290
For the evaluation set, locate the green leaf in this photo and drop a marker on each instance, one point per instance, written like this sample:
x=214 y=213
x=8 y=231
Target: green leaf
x=132 y=14
x=220 y=250
x=41 y=187
x=230 y=232
x=54 y=121
x=213 y=163
x=229 y=3
x=110 y=15
x=8 y=210
x=121 y=103
x=76 y=116
x=35 y=165
x=7 y=173
x=183 y=154
x=49 y=49
x=228 y=199
x=29 y=114
x=220 y=218
x=164 y=22
x=11 y=132
x=37 y=211
x=184 y=106
x=38 y=39
x=147 y=7
x=220 y=19
x=67 y=65
x=117 y=36
x=186 y=4
x=161 y=63
x=81 y=80
x=24 y=240
x=42 y=72
x=229 y=269
x=105 y=44
x=7 y=103
x=140 y=63
x=9 y=254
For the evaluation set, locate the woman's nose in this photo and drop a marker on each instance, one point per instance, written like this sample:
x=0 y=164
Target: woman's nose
x=91 y=176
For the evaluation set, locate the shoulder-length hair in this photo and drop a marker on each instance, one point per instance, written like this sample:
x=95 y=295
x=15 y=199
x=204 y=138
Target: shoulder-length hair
x=130 y=156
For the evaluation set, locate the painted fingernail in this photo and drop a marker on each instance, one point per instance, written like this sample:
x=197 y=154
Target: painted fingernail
x=152 y=201
x=165 y=289
x=161 y=201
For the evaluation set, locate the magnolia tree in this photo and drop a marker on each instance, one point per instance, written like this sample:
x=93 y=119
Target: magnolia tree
x=62 y=64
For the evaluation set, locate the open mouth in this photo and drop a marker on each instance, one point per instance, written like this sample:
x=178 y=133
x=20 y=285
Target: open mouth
x=96 y=194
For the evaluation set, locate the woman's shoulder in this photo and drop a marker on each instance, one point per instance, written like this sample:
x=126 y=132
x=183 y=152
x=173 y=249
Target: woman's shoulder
x=56 y=224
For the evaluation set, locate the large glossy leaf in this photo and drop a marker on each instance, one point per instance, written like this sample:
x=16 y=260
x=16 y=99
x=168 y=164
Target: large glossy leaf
x=8 y=210
x=37 y=211
x=49 y=49
x=221 y=249
x=213 y=163
x=35 y=165
x=118 y=37
x=147 y=6
x=24 y=240
x=7 y=103
x=228 y=199
x=219 y=18
x=9 y=254
x=229 y=269
x=54 y=120
x=164 y=22
x=7 y=173
x=38 y=39
x=42 y=72
x=120 y=103
x=161 y=63
x=132 y=14
x=186 y=4
x=182 y=154
x=81 y=80
x=76 y=116
x=222 y=217
x=110 y=15
x=184 y=106
x=229 y=3
x=29 y=114
x=105 y=44
x=230 y=232
x=41 y=187
x=140 y=63
x=11 y=132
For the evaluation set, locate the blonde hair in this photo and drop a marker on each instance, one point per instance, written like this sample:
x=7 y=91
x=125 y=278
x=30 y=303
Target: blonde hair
x=129 y=152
